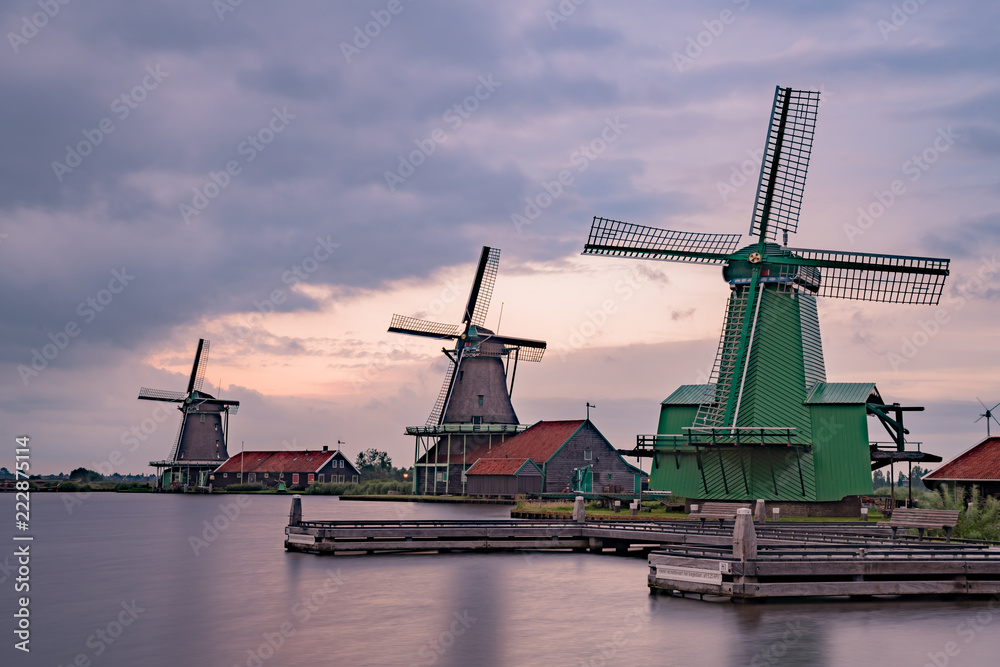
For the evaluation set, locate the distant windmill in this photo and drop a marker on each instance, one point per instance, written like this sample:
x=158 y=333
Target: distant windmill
x=475 y=388
x=988 y=415
x=200 y=444
x=769 y=362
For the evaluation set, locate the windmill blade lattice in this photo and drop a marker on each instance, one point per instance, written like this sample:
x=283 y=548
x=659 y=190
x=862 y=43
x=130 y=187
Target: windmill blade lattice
x=623 y=239
x=416 y=327
x=786 y=162
x=870 y=277
x=525 y=348
x=162 y=395
x=442 y=399
x=482 y=287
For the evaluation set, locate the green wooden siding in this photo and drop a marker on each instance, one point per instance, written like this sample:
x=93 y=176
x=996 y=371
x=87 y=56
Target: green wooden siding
x=774 y=389
x=737 y=473
x=840 y=445
x=674 y=418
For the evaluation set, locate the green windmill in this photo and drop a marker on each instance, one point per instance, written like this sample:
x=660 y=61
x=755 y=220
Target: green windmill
x=768 y=425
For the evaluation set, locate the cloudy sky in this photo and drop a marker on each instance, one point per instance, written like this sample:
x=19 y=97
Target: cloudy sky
x=280 y=179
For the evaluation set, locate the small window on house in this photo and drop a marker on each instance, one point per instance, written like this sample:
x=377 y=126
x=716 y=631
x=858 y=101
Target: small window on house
x=587 y=454
x=341 y=463
x=295 y=478
x=253 y=477
x=211 y=476
x=203 y=419
x=312 y=478
x=265 y=475
x=340 y=478
x=322 y=477
x=476 y=419
x=216 y=427
x=611 y=476
x=225 y=474
x=480 y=399
x=354 y=478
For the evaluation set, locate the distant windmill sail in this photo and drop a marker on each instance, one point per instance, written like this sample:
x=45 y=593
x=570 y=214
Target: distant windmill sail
x=988 y=414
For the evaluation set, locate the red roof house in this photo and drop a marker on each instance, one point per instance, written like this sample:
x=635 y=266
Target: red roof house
x=291 y=468
x=979 y=465
x=558 y=449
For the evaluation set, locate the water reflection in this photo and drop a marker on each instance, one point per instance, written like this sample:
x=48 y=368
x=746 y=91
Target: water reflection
x=243 y=601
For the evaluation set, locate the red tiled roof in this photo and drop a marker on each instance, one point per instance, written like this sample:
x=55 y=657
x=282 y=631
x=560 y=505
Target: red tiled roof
x=980 y=462
x=281 y=461
x=493 y=466
x=539 y=442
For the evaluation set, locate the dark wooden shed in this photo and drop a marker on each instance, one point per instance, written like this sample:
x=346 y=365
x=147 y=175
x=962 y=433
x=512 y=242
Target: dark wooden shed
x=503 y=477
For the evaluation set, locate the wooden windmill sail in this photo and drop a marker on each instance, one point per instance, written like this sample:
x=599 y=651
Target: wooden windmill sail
x=200 y=444
x=483 y=365
x=769 y=364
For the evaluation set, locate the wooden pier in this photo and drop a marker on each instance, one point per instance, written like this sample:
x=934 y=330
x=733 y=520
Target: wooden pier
x=736 y=559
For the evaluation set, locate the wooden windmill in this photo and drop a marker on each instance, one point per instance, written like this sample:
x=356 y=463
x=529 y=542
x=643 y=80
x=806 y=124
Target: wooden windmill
x=475 y=397
x=768 y=425
x=200 y=444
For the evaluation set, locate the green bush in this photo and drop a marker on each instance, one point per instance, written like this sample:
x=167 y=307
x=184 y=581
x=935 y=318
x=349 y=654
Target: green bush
x=72 y=486
x=979 y=519
x=132 y=486
x=379 y=487
x=243 y=488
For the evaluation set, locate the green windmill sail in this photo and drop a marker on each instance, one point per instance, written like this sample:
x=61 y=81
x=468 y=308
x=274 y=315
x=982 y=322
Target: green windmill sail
x=768 y=425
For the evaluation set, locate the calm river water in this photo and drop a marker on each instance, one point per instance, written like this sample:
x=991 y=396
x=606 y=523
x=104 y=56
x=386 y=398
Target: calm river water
x=120 y=581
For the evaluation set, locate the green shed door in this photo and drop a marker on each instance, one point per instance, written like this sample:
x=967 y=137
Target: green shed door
x=638 y=483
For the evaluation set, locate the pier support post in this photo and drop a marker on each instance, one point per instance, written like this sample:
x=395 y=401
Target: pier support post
x=744 y=536
x=759 y=514
x=776 y=514
x=579 y=510
x=295 y=515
